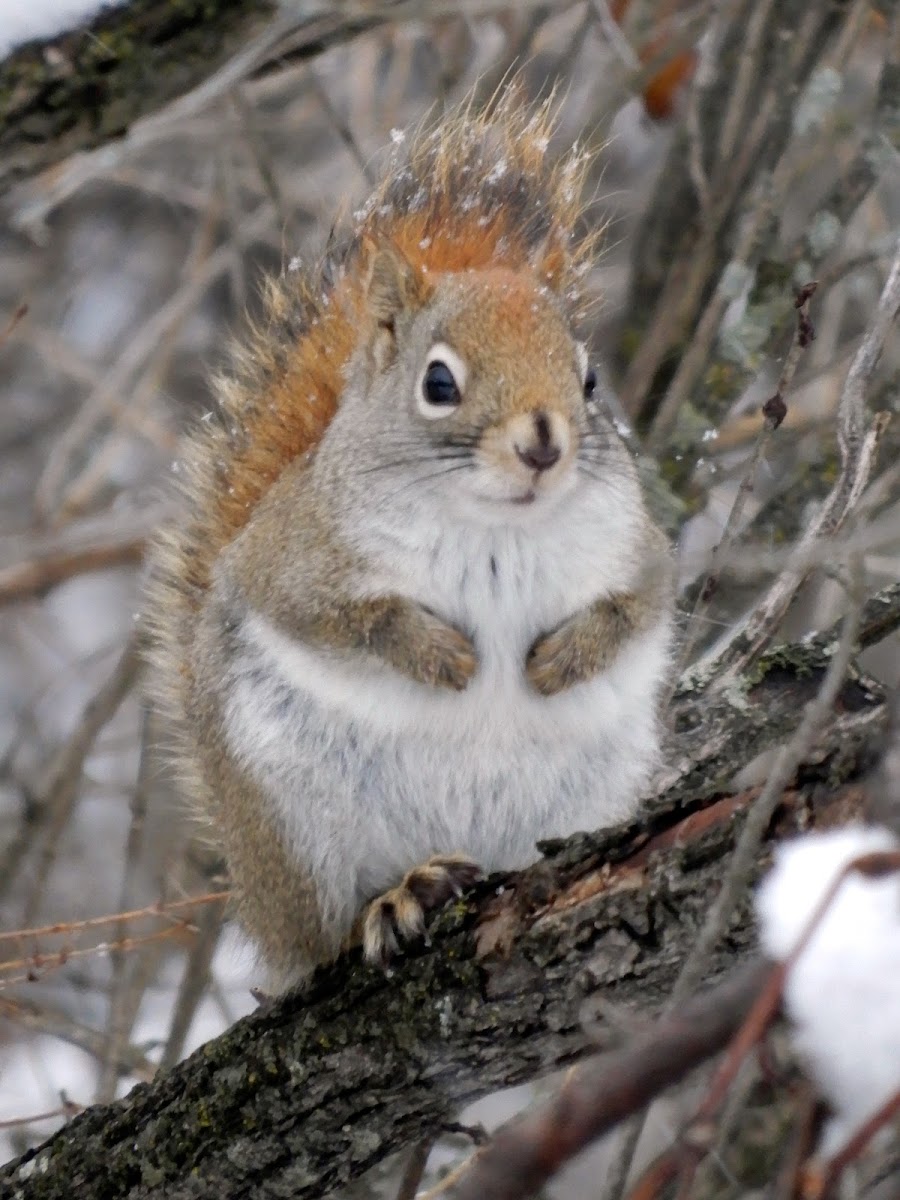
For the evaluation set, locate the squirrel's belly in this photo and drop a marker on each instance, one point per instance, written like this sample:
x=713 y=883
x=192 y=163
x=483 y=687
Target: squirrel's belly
x=396 y=772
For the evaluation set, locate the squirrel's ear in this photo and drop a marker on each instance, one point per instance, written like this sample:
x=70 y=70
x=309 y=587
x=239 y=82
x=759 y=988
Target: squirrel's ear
x=394 y=287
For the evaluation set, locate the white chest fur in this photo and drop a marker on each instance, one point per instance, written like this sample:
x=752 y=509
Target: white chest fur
x=371 y=773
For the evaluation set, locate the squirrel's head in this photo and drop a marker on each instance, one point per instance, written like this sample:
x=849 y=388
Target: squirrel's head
x=473 y=385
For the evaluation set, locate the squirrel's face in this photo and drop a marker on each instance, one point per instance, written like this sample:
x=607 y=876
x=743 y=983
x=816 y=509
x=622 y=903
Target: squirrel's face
x=483 y=382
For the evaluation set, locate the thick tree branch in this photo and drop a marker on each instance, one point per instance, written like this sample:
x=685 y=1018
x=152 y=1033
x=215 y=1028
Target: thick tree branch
x=302 y=1098
x=82 y=89
x=79 y=89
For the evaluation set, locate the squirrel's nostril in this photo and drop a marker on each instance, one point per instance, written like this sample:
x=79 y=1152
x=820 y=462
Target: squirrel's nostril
x=539 y=457
x=542 y=429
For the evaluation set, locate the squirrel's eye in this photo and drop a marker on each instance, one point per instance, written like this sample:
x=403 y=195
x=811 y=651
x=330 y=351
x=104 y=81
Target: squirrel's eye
x=441 y=384
x=439 y=387
x=590 y=383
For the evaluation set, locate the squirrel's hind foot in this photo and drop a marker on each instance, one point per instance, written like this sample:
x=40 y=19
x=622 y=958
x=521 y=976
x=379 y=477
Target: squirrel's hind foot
x=399 y=914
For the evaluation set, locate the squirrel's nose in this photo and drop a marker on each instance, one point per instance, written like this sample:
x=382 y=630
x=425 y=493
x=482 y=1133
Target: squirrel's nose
x=542 y=453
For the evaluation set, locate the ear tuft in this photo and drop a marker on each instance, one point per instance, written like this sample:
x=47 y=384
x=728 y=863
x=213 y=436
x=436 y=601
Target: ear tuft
x=552 y=261
x=394 y=287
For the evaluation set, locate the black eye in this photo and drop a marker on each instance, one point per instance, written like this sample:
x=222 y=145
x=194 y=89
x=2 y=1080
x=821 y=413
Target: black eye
x=590 y=383
x=439 y=386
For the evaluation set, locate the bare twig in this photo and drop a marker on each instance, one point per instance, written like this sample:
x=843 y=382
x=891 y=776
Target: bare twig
x=678 y=301
x=13 y=322
x=164 y=910
x=58 y=786
x=697 y=353
x=773 y=412
x=40 y=1017
x=704 y=78
x=614 y=35
x=193 y=983
x=820 y=1181
x=415 y=1169
x=41 y=560
x=342 y=128
x=747 y=71
x=858 y=439
x=524 y=1154
x=124 y=994
x=740 y=868
x=262 y=158
x=36 y=966
x=686 y=1156
x=203 y=267
x=67 y=1109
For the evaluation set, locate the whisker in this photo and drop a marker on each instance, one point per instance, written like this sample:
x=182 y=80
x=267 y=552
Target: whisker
x=427 y=478
x=425 y=457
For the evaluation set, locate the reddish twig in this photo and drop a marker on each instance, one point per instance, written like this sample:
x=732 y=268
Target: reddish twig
x=39 y=963
x=152 y=910
x=524 y=1154
x=10 y=327
x=685 y=1157
x=23 y=580
x=68 y=1108
x=818 y=1182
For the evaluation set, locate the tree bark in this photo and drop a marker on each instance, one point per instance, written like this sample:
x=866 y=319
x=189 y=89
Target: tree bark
x=303 y=1097
x=79 y=89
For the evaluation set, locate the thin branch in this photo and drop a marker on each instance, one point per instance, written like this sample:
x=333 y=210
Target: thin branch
x=820 y=1181
x=58 y=787
x=858 y=440
x=747 y=71
x=40 y=1017
x=193 y=984
x=38 y=561
x=35 y=966
x=773 y=413
x=12 y=324
x=686 y=1156
x=415 y=1169
x=741 y=866
x=126 y=988
x=163 y=909
x=616 y=39
x=528 y=1151
x=68 y=1109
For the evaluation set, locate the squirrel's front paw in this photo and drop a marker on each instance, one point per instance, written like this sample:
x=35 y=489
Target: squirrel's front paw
x=555 y=661
x=447 y=660
x=399 y=915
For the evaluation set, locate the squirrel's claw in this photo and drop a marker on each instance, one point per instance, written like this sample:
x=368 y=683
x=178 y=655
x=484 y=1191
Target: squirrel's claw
x=399 y=914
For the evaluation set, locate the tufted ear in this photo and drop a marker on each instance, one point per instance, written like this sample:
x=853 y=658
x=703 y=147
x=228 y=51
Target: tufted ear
x=394 y=287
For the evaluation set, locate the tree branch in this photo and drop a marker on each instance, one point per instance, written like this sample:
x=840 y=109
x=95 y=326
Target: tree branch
x=84 y=88
x=79 y=89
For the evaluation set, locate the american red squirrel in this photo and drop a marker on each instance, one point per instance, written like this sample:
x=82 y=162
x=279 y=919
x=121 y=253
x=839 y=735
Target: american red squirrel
x=414 y=615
